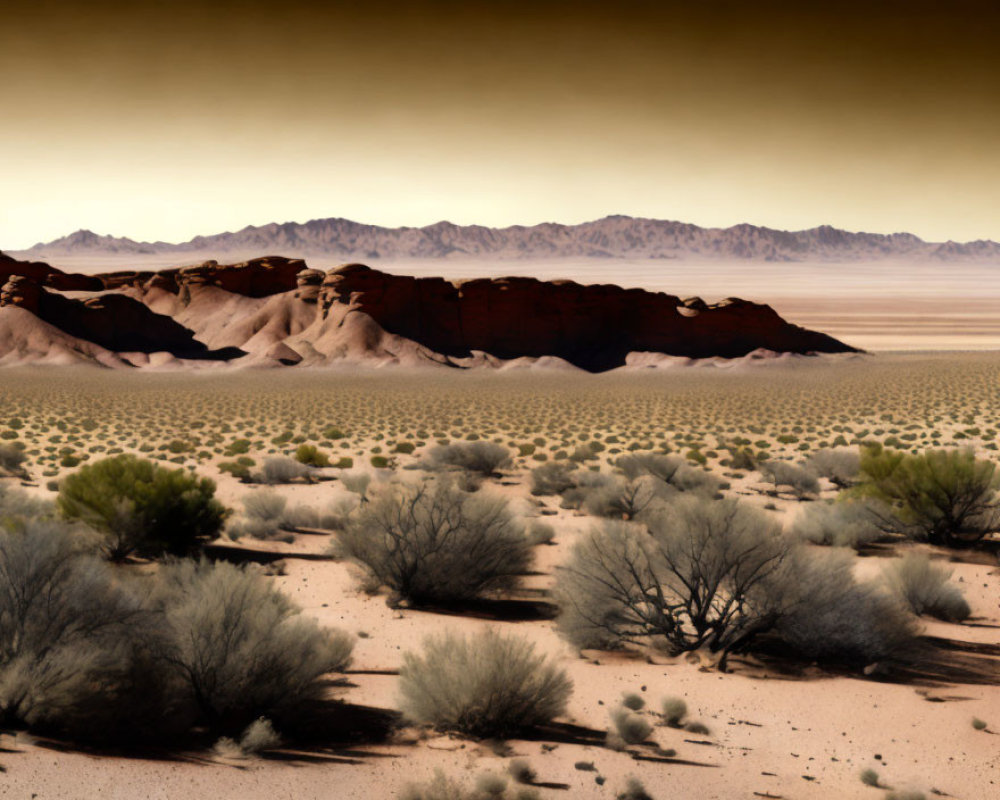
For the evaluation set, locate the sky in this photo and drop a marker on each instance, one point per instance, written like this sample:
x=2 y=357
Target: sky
x=162 y=120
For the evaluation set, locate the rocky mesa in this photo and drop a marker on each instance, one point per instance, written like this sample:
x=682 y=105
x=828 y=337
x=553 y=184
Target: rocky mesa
x=275 y=311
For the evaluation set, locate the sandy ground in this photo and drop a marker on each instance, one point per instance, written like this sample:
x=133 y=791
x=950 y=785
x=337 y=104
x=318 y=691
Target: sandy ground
x=772 y=735
x=884 y=305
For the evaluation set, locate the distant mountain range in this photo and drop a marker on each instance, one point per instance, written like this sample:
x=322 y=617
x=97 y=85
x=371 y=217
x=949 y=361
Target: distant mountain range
x=610 y=237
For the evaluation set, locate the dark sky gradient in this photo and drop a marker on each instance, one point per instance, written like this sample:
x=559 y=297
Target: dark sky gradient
x=167 y=119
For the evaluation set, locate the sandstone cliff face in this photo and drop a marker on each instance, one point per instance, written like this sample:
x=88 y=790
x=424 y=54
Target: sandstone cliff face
x=593 y=327
x=277 y=311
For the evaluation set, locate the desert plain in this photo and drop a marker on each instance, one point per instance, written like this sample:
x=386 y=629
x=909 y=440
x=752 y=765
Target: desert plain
x=776 y=728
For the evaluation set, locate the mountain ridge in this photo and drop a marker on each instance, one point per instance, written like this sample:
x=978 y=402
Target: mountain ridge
x=615 y=236
x=275 y=311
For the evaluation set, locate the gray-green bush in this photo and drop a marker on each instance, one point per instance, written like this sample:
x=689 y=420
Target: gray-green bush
x=239 y=647
x=485 y=458
x=433 y=543
x=926 y=587
x=488 y=685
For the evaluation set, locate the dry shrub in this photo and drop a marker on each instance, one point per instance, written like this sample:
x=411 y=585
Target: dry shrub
x=485 y=458
x=433 y=543
x=487 y=685
x=926 y=588
x=239 y=647
x=838 y=524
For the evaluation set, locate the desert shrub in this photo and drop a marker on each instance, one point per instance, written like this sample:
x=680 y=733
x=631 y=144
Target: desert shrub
x=311 y=456
x=633 y=701
x=487 y=685
x=626 y=499
x=783 y=473
x=926 y=588
x=947 y=497
x=695 y=579
x=671 y=470
x=65 y=631
x=358 y=483
x=551 y=478
x=634 y=790
x=12 y=458
x=829 y=615
x=284 y=470
x=486 y=458
x=264 y=504
x=838 y=465
x=435 y=543
x=259 y=736
x=487 y=787
x=141 y=507
x=629 y=727
x=239 y=647
x=237 y=470
x=869 y=777
x=837 y=524
x=674 y=711
x=521 y=771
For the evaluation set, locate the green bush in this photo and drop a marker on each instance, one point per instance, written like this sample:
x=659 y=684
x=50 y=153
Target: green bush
x=488 y=685
x=947 y=497
x=311 y=456
x=141 y=507
x=437 y=544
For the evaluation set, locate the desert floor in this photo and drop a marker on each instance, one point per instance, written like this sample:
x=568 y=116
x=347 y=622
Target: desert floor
x=776 y=730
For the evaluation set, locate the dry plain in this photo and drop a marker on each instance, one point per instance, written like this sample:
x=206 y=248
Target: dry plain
x=776 y=729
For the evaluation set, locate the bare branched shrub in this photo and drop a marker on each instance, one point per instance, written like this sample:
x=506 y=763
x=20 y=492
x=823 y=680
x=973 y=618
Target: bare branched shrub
x=927 y=588
x=695 y=579
x=948 y=497
x=488 y=685
x=486 y=458
x=838 y=524
x=671 y=470
x=838 y=465
x=802 y=482
x=239 y=647
x=626 y=499
x=433 y=543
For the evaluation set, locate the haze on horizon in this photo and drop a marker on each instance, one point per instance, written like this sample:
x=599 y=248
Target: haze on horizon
x=164 y=121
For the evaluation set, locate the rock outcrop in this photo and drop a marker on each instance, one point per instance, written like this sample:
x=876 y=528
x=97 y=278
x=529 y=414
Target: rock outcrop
x=276 y=311
x=594 y=327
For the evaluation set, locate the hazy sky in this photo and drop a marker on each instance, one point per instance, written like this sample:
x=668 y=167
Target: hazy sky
x=164 y=119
